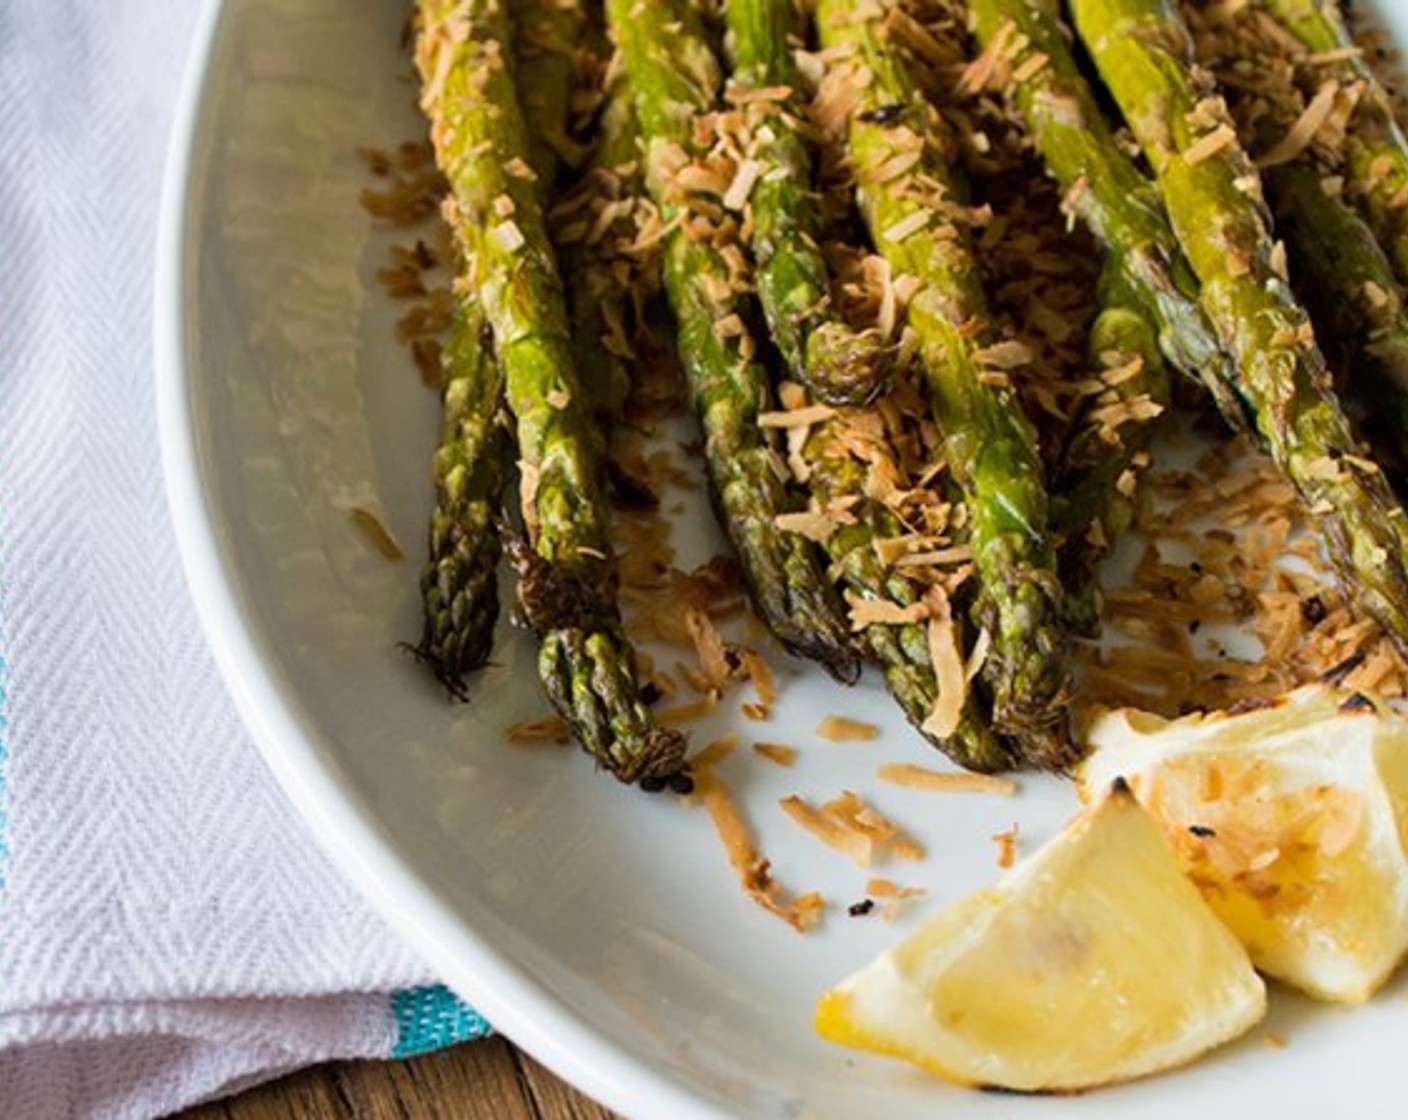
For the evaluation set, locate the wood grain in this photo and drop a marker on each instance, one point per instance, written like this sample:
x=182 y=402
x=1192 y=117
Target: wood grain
x=486 y=1080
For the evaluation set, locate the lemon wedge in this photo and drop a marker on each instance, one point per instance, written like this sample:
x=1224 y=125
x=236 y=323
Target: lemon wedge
x=1093 y=961
x=1291 y=819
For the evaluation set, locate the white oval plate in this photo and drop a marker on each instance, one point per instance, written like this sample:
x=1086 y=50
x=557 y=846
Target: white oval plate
x=600 y=928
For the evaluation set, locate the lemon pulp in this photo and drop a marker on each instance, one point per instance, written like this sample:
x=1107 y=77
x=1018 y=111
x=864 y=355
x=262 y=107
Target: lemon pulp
x=1290 y=819
x=1094 y=961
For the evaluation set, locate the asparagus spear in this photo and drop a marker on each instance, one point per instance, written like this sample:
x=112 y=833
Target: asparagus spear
x=1375 y=149
x=565 y=590
x=911 y=201
x=547 y=34
x=1349 y=286
x=605 y=306
x=459 y=584
x=675 y=78
x=1094 y=495
x=839 y=365
x=1105 y=189
x=1213 y=196
x=1337 y=267
x=901 y=649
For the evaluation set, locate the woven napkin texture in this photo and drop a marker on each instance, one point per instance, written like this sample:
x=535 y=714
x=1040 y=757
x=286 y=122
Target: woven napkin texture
x=168 y=930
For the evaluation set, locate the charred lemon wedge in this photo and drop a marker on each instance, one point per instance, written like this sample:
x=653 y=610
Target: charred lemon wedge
x=1290 y=819
x=1093 y=961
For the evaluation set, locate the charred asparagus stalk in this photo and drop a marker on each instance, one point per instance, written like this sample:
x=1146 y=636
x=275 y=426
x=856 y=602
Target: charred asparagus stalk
x=1104 y=187
x=459 y=583
x=839 y=365
x=902 y=649
x=916 y=219
x=1093 y=500
x=608 y=288
x=1348 y=284
x=565 y=586
x=676 y=81
x=547 y=37
x=1337 y=267
x=1375 y=149
x=1213 y=195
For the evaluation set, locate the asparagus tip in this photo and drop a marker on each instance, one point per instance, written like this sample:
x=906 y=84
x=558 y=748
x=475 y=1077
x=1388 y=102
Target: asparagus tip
x=844 y=366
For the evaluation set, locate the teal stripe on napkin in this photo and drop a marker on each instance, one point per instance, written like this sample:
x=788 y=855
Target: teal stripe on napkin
x=432 y=1018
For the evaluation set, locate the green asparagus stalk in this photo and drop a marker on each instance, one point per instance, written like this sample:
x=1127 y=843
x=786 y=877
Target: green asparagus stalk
x=839 y=365
x=900 y=649
x=675 y=78
x=1375 y=149
x=565 y=588
x=1094 y=493
x=1337 y=267
x=547 y=36
x=607 y=309
x=1105 y=189
x=1346 y=281
x=1213 y=195
x=915 y=216
x=459 y=584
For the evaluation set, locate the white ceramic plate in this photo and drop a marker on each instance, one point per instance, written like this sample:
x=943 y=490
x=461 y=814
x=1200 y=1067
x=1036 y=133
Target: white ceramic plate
x=599 y=928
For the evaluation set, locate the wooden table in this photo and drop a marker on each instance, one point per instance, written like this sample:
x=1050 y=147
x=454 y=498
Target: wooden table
x=485 y=1080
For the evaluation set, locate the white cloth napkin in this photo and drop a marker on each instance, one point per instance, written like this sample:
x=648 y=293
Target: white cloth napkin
x=168 y=930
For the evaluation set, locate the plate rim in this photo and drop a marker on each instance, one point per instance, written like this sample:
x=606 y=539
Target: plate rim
x=340 y=822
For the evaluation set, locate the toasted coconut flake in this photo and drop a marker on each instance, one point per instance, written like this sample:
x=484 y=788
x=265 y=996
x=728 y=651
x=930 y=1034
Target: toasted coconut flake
x=949 y=671
x=755 y=669
x=944 y=781
x=849 y=825
x=872 y=612
x=1006 y=842
x=708 y=645
x=852 y=843
x=937 y=558
x=730 y=326
x=687 y=712
x=908 y=226
x=1030 y=67
x=1302 y=132
x=843 y=729
x=754 y=872
x=796 y=417
x=895 y=895
x=519 y=169
x=780 y=753
x=508 y=236
x=549 y=729
x=1006 y=355
x=978 y=654
x=713 y=753
x=1210 y=144
x=812 y=524
x=744 y=179
x=376 y=531
x=747 y=95
x=981 y=70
